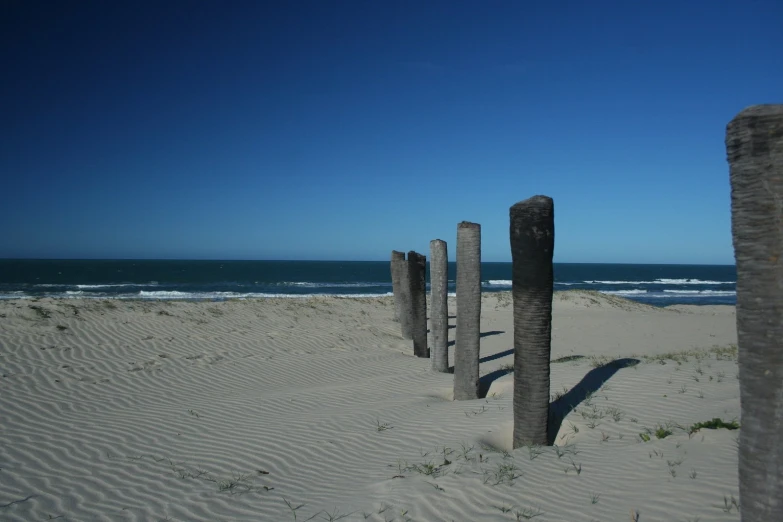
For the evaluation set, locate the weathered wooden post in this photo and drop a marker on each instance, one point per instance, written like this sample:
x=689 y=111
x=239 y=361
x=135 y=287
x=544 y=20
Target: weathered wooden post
x=417 y=272
x=439 y=305
x=754 y=148
x=532 y=234
x=466 y=351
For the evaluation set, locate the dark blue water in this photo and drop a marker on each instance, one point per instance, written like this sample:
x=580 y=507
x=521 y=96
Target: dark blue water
x=655 y=284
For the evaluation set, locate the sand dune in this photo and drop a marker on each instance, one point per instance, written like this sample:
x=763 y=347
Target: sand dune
x=140 y=410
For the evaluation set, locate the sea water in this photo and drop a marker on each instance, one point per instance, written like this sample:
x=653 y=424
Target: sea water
x=172 y=279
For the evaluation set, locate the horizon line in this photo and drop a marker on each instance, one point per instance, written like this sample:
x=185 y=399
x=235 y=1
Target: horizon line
x=326 y=261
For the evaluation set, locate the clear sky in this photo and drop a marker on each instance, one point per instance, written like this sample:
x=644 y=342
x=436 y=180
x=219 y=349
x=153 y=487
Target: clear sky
x=339 y=129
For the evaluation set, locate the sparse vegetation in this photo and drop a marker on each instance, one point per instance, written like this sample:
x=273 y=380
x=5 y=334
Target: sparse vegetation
x=42 y=312
x=714 y=424
x=528 y=513
x=729 y=504
x=505 y=473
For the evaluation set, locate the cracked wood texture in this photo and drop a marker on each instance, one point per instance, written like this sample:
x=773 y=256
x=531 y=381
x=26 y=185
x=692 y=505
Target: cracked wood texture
x=439 y=305
x=417 y=272
x=754 y=149
x=466 y=350
x=396 y=259
x=532 y=233
x=404 y=299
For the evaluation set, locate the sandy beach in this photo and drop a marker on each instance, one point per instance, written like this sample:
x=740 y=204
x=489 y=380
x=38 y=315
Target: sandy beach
x=315 y=408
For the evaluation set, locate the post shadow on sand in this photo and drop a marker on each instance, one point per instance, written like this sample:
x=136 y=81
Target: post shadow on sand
x=482 y=335
x=486 y=381
x=590 y=383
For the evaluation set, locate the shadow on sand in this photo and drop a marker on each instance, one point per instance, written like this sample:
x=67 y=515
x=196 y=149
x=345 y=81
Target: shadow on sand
x=481 y=335
x=590 y=383
x=485 y=381
x=488 y=379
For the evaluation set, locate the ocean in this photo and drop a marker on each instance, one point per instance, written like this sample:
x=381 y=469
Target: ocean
x=659 y=285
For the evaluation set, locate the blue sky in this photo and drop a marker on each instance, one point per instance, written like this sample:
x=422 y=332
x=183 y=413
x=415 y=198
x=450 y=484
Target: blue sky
x=341 y=129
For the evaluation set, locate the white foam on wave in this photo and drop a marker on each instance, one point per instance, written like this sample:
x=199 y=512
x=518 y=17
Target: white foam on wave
x=672 y=294
x=174 y=294
x=498 y=282
x=662 y=282
x=701 y=292
x=15 y=294
x=309 y=284
x=115 y=285
x=692 y=282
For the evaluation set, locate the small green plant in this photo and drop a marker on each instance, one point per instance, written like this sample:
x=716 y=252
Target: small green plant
x=479 y=411
x=662 y=432
x=465 y=452
x=434 y=485
x=400 y=469
x=616 y=413
x=714 y=424
x=446 y=452
x=594 y=498
x=382 y=426
x=534 y=451
x=693 y=474
x=730 y=503
x=42 y=312
x=566 y=450
x=61 y=327
x=645 y=437
x=505 y=473
x=682 y=389
x=596 y=361
x=428 y=468
x=334 y=515
x=567 y=358
x=508 y=368
x=235 y=482
x=295 y=509
x=528 y=513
